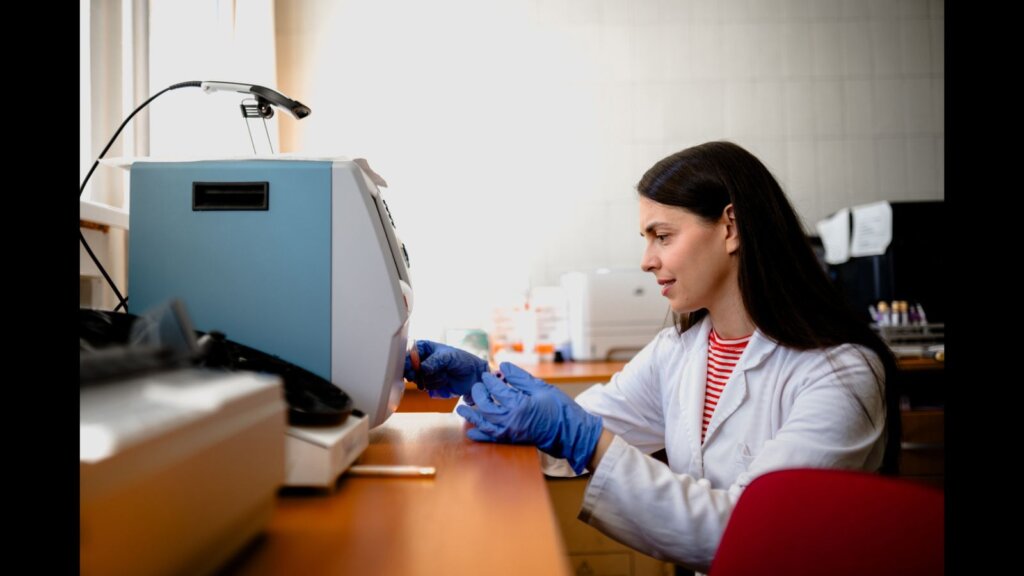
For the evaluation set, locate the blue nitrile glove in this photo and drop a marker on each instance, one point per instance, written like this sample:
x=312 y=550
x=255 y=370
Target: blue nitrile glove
x=444 y=371
x=527 y=410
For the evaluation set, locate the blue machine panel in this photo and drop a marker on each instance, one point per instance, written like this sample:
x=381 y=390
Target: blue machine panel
x=268 y=282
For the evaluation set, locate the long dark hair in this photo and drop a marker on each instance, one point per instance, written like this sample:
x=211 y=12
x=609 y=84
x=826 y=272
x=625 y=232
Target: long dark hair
x=785 y=290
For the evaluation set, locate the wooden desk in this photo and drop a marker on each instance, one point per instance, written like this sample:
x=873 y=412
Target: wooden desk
x=591 y=372
x=919 y=364
x=566 y=372
x=572 y=373
x=486 y=512
x=581 y=372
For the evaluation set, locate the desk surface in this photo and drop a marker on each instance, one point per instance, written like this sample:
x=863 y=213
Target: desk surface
x=580 y=372
x=583 y=372
x=919 y=364
x=568 y=372
x=487 y=511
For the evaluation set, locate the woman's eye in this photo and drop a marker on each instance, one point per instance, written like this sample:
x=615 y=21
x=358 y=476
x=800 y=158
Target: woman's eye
x=661 y=237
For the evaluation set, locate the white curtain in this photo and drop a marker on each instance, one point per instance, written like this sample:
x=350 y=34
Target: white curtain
x=227 y=40
x=132 y=49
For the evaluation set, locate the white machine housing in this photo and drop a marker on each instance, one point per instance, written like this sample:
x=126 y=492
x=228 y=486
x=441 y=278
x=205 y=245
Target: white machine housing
x=295 y=257
x=612 y=314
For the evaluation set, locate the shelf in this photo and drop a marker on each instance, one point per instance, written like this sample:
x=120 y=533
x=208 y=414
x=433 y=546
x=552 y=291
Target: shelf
x=99 y=213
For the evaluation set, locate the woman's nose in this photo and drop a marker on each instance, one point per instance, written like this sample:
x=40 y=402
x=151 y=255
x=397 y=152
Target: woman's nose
x=648 y=263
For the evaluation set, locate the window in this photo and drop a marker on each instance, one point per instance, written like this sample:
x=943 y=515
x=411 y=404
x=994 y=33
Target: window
x=132 y=49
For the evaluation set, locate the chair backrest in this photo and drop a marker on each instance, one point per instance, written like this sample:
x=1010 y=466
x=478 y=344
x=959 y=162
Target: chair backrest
x=834 y=522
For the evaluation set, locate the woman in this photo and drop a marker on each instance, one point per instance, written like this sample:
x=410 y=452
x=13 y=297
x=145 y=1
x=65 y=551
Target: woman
x=767 y=369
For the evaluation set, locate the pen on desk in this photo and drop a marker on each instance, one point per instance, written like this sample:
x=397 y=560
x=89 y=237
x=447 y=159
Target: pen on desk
x=391 y=470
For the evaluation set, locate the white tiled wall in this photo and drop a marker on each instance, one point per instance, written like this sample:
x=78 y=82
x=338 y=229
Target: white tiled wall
x=513 y=131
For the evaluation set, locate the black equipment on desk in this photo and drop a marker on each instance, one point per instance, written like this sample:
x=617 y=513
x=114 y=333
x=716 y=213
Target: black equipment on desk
x=115 y=345
x=312 y=400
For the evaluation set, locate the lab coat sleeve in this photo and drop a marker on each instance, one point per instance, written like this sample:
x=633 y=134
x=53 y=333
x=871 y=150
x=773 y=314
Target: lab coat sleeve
x=640 y=502
x=836 y=421
x=629 y=406
x=837 y=416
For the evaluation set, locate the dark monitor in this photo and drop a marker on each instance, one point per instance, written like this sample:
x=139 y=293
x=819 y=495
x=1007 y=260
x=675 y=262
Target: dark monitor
x=913 y=267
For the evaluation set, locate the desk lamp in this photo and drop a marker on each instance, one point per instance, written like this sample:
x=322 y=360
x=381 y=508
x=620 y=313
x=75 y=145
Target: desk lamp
x=265 y=97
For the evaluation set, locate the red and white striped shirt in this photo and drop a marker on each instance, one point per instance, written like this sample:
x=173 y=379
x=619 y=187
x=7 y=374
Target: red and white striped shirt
x=722 y=357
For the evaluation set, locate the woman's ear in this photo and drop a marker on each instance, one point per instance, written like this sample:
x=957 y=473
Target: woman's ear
x=732 y=236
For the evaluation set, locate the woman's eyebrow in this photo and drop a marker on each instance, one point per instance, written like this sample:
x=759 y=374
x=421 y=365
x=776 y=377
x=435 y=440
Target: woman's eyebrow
x=650 y=227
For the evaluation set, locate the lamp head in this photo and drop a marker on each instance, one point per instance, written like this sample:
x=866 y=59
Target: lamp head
x=265 y=97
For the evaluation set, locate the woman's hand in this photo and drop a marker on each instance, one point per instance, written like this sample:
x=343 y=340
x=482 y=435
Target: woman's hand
x=444 y=371
x=521 y=409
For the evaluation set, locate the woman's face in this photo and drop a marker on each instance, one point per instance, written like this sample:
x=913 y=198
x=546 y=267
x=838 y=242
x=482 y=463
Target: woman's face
x=689 y=256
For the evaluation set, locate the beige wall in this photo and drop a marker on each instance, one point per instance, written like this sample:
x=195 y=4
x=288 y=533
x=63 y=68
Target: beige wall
x=513 y=131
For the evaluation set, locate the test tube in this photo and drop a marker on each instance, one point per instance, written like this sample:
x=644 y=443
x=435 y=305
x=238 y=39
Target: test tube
x=883 y=313
x=414 y=356
x=414 y=361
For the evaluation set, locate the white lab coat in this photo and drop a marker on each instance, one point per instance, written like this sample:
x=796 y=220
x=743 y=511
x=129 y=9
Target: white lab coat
x=781 y=408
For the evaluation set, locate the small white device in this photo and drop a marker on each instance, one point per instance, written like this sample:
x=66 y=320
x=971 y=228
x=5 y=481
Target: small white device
x=178 y=470
x=613 y=313
x=317 y=455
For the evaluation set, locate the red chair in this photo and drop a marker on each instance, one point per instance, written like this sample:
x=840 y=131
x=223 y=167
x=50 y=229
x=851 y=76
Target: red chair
x=833 y=522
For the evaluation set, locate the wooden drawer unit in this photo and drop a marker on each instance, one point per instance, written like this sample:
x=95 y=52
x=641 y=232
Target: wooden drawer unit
x=591 y=553
x=922 y=457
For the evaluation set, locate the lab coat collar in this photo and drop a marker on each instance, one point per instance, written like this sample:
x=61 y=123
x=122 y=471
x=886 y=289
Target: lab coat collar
x=757 y=351
x=693 y=378
x=694 y=382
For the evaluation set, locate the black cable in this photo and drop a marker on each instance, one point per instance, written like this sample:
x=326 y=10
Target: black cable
x=194 y=83
x=122 y=302
x=121 y=299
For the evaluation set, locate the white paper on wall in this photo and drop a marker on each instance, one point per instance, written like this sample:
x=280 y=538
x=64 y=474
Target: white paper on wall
x=835 y=236
x=872 y=229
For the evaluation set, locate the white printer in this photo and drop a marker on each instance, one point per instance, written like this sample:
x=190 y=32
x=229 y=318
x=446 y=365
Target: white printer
x=613 y=313
x=178 y=470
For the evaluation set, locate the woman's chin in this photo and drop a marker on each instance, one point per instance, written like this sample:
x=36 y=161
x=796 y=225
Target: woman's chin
x=682 y=308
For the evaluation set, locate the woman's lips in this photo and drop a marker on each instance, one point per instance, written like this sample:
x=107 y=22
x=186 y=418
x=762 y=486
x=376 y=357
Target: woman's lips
x=665 y=286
